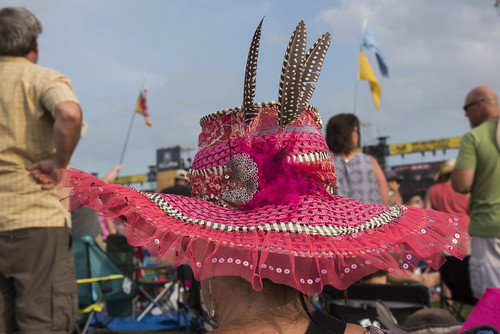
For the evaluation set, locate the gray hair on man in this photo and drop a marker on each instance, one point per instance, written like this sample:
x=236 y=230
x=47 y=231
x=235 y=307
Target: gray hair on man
x=19 y=30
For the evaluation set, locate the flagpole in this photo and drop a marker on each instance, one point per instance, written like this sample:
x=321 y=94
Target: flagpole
x=355 y=95
x=126 y=138
x=129 y=131
x=365 y=21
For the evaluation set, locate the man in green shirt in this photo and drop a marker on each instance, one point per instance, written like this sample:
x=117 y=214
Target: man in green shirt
x=477 y=171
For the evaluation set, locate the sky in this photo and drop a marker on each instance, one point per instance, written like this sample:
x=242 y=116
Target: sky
x=190 y=55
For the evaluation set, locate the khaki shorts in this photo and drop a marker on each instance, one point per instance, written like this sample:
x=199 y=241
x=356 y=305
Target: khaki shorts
x=484 y=264
x=37 y=281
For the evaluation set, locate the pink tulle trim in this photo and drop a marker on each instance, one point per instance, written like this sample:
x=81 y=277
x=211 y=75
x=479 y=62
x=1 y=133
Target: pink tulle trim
x=302 y=261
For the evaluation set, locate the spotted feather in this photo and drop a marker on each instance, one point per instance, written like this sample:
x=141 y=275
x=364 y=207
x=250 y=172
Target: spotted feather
x=312 y=68
x=250 y=110
x=291 y=76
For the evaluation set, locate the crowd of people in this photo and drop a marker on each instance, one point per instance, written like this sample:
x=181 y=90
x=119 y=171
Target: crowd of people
x=277 y=212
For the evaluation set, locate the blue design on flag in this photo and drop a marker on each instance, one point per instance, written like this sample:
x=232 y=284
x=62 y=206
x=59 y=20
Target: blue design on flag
x=369 y=43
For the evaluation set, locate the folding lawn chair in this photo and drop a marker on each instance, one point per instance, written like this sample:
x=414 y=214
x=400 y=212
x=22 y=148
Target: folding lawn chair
x=100 y=281
x=360 y=305
x=156 y=293
x=177 y=296
x=96 y=307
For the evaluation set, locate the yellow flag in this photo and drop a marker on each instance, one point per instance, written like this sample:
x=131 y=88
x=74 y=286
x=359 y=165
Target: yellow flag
x=366 y=73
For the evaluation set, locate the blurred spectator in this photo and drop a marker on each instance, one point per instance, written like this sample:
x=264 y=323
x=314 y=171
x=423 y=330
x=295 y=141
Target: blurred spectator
x=85 y=222
x=393 y=182
x=181 y=184
x=477 y=170
x=415 y=200
x=359 y=175
x=442 y=197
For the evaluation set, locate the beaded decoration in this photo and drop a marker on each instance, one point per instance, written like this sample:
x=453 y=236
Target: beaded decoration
x=241 y=180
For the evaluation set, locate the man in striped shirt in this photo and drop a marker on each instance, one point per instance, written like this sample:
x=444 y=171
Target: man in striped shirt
x=40 y=123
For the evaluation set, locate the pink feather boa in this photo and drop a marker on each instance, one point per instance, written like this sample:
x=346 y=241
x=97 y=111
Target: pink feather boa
x=280 y=179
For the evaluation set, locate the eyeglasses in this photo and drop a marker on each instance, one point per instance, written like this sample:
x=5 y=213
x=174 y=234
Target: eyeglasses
x=468 y=105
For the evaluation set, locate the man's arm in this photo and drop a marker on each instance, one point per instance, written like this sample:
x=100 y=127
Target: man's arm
x=462 y=180
x=67 y=127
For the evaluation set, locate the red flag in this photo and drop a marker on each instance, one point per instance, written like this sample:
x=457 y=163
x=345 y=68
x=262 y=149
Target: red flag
x=142 y=106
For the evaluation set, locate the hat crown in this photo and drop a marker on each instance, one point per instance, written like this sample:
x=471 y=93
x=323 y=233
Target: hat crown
x=247 y=153
x=276 y=152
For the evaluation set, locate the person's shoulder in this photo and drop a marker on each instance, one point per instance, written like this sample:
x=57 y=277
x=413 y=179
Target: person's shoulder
x=44 y=75
x=364 y=156
x=483 y=131
x=42 y=69
x=483 y=127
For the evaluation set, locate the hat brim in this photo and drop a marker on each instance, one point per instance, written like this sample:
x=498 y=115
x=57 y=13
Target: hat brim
x=320 y=240
x=443 y=171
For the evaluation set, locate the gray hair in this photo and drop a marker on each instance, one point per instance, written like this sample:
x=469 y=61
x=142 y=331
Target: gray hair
x=19 y=30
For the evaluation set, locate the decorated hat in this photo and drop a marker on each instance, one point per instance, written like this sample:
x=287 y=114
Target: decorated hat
x=263 y=204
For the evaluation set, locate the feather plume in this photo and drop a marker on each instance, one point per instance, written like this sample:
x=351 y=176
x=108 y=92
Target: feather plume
x=299 y=70
x=290 y=87
x=312 y=68
x=250 y=110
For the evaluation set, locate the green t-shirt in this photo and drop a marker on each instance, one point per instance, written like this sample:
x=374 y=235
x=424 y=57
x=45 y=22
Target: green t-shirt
x=479 y=152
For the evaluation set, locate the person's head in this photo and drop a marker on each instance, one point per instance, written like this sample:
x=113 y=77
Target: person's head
x=445 y=171
x=415 y=201
x=19 y=30
x=393 y=179
x=343 y=133
x=281 y=295
x=181 y=177
x=481 y=105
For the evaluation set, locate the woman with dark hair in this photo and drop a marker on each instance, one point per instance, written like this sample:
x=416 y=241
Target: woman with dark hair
x=263 y=228
x=359 y=175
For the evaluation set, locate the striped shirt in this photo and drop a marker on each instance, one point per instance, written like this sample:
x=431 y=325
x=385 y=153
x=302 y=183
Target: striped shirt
x=29 y=95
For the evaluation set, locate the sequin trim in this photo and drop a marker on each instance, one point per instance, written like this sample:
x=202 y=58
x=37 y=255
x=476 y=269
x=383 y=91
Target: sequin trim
x=375 y=222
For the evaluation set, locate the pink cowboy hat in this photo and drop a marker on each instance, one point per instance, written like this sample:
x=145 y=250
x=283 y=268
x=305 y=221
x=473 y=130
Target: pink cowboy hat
x=262 y=206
